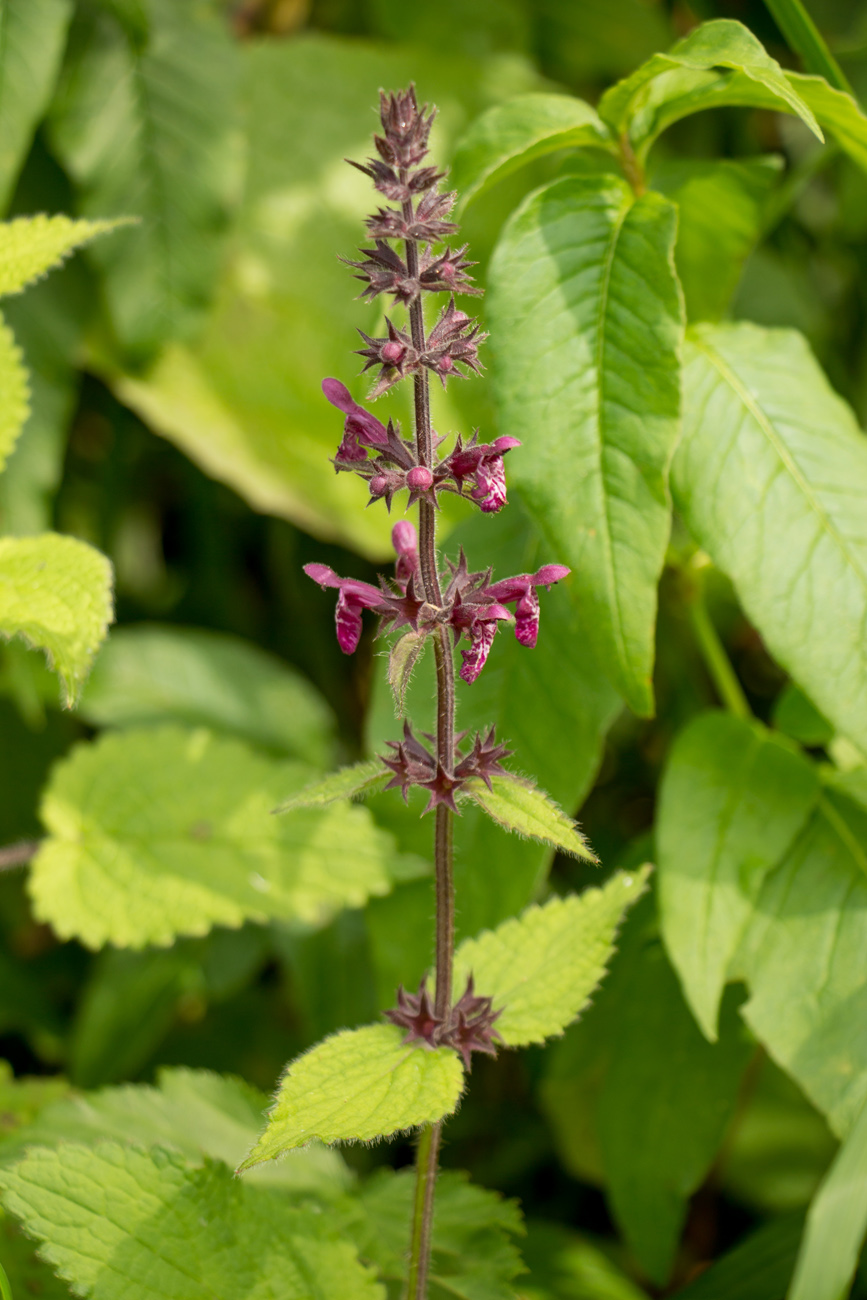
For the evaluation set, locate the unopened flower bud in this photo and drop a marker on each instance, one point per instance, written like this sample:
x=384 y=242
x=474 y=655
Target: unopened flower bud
x=419 y=478
x=378 y=485
x=393 y=352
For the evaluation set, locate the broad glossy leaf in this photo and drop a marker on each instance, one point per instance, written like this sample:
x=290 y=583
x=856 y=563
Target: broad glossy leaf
x=55 y=592
x=512 y=134
x=771 y=476
x=754 y=1270
x=587 y=324
x=473 y=1253
x=836 y=1224
x=720 y=208
x=359 y=1085
x=14 y=392
x=345 y=783
x=117 y=1222
x=802 y=960
x=722 y=43
x=542 y=967
x=149 y=129
x=147 y=673
x=160 y=831
x=32 y=35
x=244 y=401
x=524 y=809
x=32 y=246
x=732 y=800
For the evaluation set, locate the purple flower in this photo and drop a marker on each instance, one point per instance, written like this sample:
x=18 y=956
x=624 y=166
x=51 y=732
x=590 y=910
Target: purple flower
x=483 y=462
x=521 y=589
x=354 y=597
x=360 y=429
x=404 y=539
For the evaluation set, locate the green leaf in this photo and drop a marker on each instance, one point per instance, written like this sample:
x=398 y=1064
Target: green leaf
x=27 y=1274
x=150 y=130
x=473 y=1256
x=115 y=1220
x=585 y=304
x=55 y=592
x=757 y=1268
x=836 y=1224
x=158 y=832
x=542 y=967
x=796 y=715
x=512 y=134
x=32 y=36
x=402 y=659
x=801 y=958
x=770 y=476
x=803 y=36
x=518 y=806
x=14 y=391
x=356 y=1086
x=345 y=783
x=722 y=43
x=839 y=113
x=566 y=1266
x=147 y=673
x=720 y=211
x=32 y=246
x=732 y=800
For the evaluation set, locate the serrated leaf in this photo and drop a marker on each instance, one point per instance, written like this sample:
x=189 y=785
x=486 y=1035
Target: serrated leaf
x=732 y=800
x=720 y=205
x=14 y=392
x=32 y=246
x=195 y=1112
x=473 y=1256
x=357 y=1086
x=56 y=592
x=32 y=35
x=771 y=477
x=147 y=673
x=115 y=1220
x=521 y=807
x=836 y=1224
x=541 y=968
x=147 y=129
x=27 y=1274
x=585 y=304
x=801 y=959
x=402 y=659
x=160 y=831
x=510 y=135
x=722 y=43
x=345 y=783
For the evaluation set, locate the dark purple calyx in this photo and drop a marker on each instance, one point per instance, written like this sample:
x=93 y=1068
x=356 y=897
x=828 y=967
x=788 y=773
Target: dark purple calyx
x=468 y=1027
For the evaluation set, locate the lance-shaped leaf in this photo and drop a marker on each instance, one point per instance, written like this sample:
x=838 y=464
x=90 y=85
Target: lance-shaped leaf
x=163 y=831
x=521 y=807
x=356 y=1086
x=32 y=246
x=345 y=783
x=540 y=968
x=146 y=128
x=402 y=659
x=802 y=958
x=732 y=800
x=510 y=135
x=32 y=35
x=587 y=320
x=771 y=478
x=55 y=592
x=14 y=392
x=719 y=44
x=117 y=1221
x=836 y=1224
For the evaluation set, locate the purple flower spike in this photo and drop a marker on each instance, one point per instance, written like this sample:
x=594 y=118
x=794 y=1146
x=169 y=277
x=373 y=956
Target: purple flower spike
x=483 y=462
x=360 y=429
x=354 y=597
x=522 y=590
x=404 y=539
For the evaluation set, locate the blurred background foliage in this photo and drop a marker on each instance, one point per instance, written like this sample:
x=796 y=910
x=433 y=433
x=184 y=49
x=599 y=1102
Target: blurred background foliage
x=178 y=425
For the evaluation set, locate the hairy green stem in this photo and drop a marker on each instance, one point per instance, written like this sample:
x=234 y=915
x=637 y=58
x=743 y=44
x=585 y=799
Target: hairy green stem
x=427 y=1156
x=716 y=660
